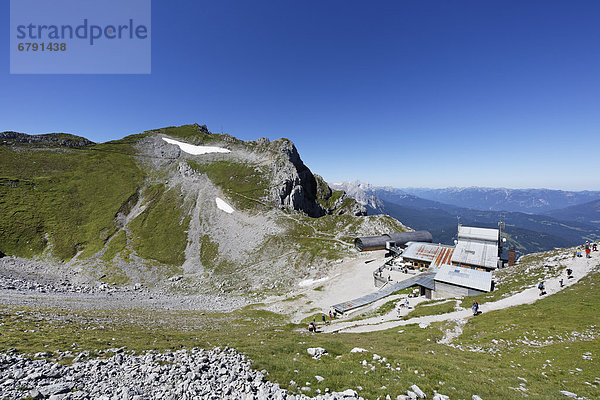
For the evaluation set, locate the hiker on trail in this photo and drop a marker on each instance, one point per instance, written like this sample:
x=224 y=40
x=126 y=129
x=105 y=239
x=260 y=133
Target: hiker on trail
x=541 y=287
x=578 y=252
x=594 y=247
x=587 y=252
x=406 y=303
x=330 y=316
x=561 y=282
x=324 y=319
x=475 y=307
x=569 y=273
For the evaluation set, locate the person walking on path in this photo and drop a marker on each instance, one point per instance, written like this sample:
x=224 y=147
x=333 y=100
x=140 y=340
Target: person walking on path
x=541 y=287
x=587 y=250
x=475 y=307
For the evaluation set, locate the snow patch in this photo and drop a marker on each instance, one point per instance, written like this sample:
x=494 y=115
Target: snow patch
x=195 y=150
x=224 y=206
x=308 y=282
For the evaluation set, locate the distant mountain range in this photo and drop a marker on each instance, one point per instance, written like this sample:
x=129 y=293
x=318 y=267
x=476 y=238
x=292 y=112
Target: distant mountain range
x=534 y=201
x=526 y=232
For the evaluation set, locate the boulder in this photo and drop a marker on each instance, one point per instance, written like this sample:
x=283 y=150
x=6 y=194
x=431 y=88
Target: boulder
x=316 y=352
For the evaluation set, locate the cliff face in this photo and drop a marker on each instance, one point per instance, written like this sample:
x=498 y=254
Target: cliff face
x=295 y=185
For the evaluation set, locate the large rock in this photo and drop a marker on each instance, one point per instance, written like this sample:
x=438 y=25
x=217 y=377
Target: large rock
x=418 y=391
x=56 y=388
x=316 y=352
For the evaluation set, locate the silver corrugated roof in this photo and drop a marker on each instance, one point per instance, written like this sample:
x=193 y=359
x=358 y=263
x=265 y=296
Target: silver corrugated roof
x=473 y=233
x=476 y=253
x=465 y=277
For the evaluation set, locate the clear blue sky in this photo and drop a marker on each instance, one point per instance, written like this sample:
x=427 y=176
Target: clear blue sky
x=400 y=93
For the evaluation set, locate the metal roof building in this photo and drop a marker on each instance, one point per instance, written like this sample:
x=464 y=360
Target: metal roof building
x=464 y=277
x=477 y=247
x=483 y=234
x=430 y=254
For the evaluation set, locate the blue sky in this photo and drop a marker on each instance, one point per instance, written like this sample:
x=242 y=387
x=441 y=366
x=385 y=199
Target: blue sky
x=399 y=93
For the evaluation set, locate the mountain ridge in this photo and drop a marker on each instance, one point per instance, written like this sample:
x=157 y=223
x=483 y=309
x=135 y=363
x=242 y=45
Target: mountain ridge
x=139 y=209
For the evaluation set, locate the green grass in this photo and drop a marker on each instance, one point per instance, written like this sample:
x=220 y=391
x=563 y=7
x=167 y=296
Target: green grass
x=245 y=184
x=424 y=309
x=69 y=196
x=388 y=307
x=196 y=135
x=160 y=231
x=116 y=245
x=330 y=202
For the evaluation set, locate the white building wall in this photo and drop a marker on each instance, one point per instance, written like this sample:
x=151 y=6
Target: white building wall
x=445 y=290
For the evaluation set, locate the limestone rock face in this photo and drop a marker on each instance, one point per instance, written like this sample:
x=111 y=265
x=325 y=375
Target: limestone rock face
x=295 y=187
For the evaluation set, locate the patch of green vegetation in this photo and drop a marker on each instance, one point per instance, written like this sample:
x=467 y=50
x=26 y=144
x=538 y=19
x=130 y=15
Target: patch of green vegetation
x=116 y=245
x=245 y=184
x=209 y=251
x=114 y=275
x=387 y=307
x=424 y=309
x=329 y=202
x=551 y=318
x=68 y=195
x=159 y=233
x=198 y=135
x=211 y=258
x=294 y=298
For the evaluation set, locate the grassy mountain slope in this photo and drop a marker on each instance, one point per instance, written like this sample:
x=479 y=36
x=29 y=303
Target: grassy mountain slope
x=587 y=213
x=61 y=199
x=139 y=209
